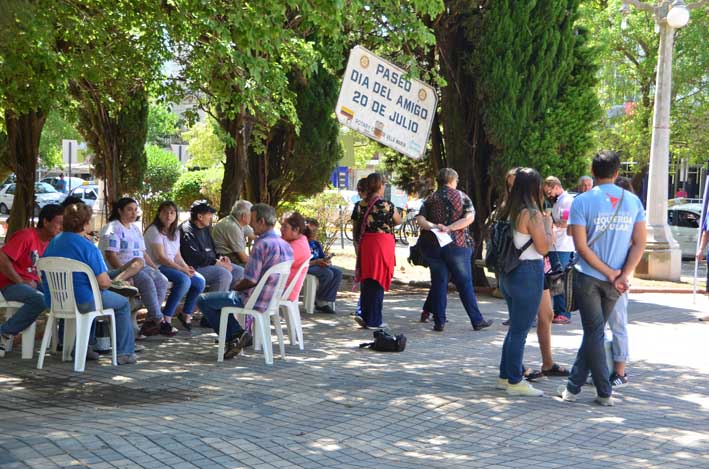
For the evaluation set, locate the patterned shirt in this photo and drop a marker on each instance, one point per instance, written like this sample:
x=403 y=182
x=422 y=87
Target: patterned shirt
x=127 y=242
x=379 y=220
x=269 y=249
x=447 y=206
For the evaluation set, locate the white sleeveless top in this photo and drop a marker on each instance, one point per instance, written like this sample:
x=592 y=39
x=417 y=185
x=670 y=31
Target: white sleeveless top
x=529 y=254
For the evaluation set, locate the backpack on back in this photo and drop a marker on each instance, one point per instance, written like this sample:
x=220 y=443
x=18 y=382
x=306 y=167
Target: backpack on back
x=502 y=256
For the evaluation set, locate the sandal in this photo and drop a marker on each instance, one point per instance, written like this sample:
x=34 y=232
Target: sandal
x=183 y=319
x=532 y=375
x=556 y=370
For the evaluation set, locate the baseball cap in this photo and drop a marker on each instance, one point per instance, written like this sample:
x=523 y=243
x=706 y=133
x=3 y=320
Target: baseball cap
x=201 y=206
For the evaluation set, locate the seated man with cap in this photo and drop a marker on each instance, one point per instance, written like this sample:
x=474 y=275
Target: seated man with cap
x=199 y=252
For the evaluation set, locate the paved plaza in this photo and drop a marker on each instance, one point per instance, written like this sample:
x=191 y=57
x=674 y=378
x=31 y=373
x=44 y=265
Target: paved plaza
x=334 y=405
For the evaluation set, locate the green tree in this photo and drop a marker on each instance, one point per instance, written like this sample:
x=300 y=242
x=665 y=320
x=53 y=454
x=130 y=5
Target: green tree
x=162 y=123
x=279 y=176
x=205 y=147
x=57 y=128
x=32 y=72
x=163 y=170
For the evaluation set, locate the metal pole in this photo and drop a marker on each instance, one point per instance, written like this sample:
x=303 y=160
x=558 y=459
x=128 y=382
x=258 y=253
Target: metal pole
x=342 y=229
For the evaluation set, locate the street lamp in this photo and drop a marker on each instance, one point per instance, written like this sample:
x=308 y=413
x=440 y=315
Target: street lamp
x=662 y=259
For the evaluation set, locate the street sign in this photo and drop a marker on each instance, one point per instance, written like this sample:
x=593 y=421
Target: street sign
x=377 y=100
x=180 y=151
x=69 y=151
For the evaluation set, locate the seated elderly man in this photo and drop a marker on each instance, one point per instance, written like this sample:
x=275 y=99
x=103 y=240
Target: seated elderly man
x=18 y=272
x=231 y=232
x=199 y=252
x=269 y=249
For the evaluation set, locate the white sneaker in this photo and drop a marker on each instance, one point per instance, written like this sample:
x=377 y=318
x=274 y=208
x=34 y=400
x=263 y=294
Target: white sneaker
x=523 y=388
x=5 y=344
x=565 y=394
x=501 y=384
x=605 y=401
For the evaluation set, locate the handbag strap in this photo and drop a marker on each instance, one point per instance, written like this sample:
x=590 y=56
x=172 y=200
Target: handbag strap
x=363 y=225
x=610 y=222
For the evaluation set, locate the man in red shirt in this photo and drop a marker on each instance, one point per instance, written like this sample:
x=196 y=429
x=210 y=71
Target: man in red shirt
x=18 y=272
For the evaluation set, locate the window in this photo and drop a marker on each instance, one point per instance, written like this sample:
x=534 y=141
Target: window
x=671 y=217
x=687 y=219
x=11 y=189
x=90 y=194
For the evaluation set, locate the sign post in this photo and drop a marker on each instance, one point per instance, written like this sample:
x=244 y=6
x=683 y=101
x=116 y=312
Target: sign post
x=377 y=100
x=69 y=154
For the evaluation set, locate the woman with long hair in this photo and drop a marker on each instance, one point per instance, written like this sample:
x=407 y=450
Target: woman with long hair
x=522 y=287
x=163 y=246
x=374 y=231
x=121 y=242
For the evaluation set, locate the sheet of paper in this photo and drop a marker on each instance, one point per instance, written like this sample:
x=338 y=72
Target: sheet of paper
x=443 y=238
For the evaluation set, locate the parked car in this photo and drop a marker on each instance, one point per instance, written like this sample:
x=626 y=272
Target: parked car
x=44 y=194
x=88 y=193
x=71 y=182
x=684 y=222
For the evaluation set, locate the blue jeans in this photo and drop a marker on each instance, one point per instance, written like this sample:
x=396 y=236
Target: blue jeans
x=182 y=284
x=125 y=340
x=522 y=289
x=211 y=305
x=23 y=318
x=220 y=279
x=455 y=261
x=559 y=260
x=596 y=300
x=329 y=279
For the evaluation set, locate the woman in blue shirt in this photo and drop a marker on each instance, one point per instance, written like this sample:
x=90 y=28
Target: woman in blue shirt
x=329 y=277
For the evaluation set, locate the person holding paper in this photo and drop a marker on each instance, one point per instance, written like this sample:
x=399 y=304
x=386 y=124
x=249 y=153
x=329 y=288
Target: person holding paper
x=447 y=246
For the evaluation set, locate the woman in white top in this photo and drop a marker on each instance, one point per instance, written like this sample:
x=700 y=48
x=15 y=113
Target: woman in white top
x=163 y=243
x=522 y=287
x=122 y=242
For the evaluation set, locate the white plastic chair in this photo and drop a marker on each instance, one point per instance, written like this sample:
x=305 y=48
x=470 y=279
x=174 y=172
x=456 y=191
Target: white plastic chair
x=292 y=312
x=310 y=288
x=262 y=328
x=28 y=334
x=58 y=271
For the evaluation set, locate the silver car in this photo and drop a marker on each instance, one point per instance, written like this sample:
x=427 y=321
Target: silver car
x=88 y=193
x=684 y=222
x=44 y=194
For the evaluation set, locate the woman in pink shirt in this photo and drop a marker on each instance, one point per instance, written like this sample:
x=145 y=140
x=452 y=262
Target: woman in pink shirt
x=292 y=227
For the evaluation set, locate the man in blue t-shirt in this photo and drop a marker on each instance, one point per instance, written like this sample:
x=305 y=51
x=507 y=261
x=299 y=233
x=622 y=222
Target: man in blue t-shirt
x=608 y=228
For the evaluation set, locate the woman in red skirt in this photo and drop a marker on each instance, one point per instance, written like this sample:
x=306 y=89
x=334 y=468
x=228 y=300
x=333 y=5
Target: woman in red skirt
x=373 y=229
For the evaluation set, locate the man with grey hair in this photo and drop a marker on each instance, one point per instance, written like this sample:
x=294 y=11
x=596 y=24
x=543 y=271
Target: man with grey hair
x=585 y=184
x=269 y=249
x=231 y=232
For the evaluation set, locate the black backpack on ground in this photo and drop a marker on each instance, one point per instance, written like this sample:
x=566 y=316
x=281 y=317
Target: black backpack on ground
x=385 y=342
x=502 y=256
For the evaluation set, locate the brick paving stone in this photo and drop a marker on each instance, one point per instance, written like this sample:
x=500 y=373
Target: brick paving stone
x=334 y=405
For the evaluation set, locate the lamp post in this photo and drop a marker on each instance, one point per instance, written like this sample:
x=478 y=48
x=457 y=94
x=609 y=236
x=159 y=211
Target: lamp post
x=662 y=259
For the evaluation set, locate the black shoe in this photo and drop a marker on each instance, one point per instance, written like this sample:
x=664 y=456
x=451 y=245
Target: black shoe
x=438 y=327
x=324 y=309
x=424 y=316
x=167 y=330
x=183 y=319
x=234 y=347
x=204 y=323
x=149 y=328
x=506 y=322
x=482 y=325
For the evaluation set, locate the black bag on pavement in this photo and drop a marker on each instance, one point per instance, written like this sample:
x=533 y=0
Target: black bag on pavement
x=502 y=256
x=385 y=342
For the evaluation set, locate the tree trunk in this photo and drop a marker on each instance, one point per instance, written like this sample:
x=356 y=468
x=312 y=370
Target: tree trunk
x=236 y=166
x=465 y=147
x=23 y=134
